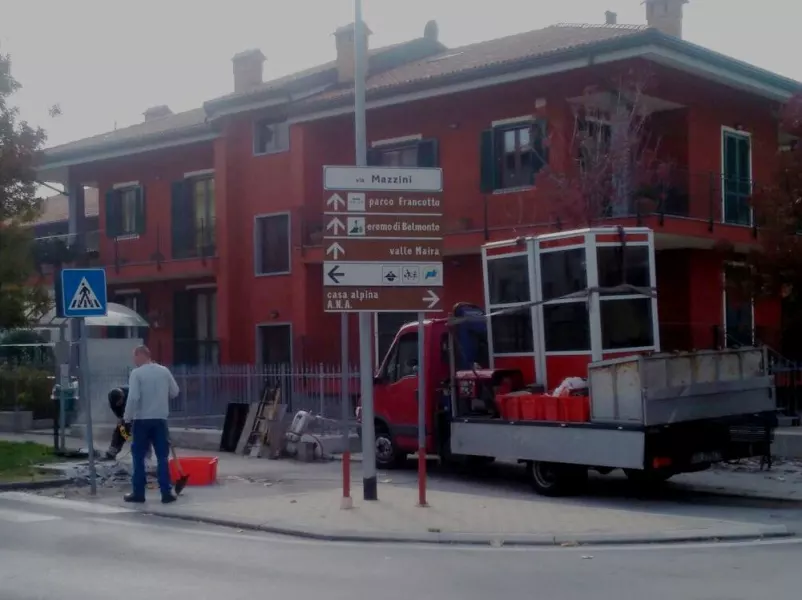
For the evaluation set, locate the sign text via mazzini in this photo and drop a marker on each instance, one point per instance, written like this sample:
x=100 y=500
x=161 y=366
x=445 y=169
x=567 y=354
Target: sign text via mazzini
x=382 y=239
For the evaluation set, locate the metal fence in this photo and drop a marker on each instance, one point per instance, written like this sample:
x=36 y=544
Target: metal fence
x=207 y=390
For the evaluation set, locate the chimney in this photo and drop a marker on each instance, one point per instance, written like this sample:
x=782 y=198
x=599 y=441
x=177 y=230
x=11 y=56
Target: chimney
x=431 y=31
x=344 y=40
x=665 y=16
x=157 y=112
x=610 y=18
x=248 y=70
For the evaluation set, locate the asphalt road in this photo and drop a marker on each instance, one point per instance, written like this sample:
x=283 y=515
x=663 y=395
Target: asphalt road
x=51 y=549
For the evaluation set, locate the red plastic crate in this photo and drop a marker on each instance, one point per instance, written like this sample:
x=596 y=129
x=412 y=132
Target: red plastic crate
x=202 y=470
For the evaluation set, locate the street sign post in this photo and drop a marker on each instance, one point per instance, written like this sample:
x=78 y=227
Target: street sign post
x=83 y=294
x=383 y=253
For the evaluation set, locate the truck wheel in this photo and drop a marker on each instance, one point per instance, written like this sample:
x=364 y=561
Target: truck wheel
x=387 y=455
x=648 y=478
x=551 y=479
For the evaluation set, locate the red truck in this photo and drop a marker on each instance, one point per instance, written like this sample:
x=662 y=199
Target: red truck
x=578 y=306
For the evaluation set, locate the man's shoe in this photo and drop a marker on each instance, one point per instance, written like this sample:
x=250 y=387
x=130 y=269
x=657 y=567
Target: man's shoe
x=168 y=499
x=132 y=498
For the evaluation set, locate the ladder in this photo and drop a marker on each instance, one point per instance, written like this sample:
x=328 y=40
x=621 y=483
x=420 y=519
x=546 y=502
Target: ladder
x=260 y=423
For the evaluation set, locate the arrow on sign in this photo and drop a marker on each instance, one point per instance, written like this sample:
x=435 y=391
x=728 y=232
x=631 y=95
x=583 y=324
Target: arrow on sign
x=431 y=298
x=335 y=225
x=335 y=250
x=336 y=201
x=335 y=274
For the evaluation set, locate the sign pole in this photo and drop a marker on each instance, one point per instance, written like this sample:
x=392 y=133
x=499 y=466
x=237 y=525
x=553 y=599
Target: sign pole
x=83 y=390
x=370 y=491
x=345 y=398
x=421 y=412
x=82 y=293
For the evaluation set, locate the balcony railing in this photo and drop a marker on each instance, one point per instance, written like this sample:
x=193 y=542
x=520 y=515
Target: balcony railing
x=71 y=248
x=193 y=239
x=677 y=194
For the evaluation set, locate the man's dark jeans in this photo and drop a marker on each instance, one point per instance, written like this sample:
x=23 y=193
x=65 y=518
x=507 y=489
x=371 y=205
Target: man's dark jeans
x=147 y=432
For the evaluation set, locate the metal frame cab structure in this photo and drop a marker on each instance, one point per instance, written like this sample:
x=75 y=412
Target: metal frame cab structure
x=566 y=270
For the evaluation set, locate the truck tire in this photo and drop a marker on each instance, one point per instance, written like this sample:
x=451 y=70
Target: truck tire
x=648 y=478
x=553 y=479
x=387 y=454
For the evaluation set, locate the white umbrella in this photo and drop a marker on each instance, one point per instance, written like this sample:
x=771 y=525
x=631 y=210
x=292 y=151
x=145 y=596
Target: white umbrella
x=118 y=315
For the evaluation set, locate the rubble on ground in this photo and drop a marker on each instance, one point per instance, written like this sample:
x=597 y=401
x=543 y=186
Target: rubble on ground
x=782 y=469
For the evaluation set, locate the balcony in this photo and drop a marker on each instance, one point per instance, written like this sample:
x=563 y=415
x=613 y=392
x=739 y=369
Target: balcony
x=681 y=204
x=61 y=250
x=193 y=239
x=185 y=250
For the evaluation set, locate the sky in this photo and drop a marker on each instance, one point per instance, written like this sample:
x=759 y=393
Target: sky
x=105 y=61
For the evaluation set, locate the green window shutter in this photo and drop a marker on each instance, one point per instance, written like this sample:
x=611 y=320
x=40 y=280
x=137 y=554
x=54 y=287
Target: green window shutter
x=428 y=153
x=141 y=212
x=487 y=168
x=112 y=213
x=540 y=146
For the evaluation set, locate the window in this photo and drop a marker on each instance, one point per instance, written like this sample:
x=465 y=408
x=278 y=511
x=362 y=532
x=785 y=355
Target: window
x=566 y=323
x=626 y=318
x=387 y=326
x=136 y=302
x=125 y=211
x=628 y=264
x=566 y=327
x=508 y=280
x=192 y=217
x=270 y=136
x=737 y=177
x=421 y=153
x=626 y=323
x=511 y=155
x=404 y=358
x=738 y=310
x=206 y=326
x=272 y=241
x=563 y=272
x=203 y=210
x=512 y=333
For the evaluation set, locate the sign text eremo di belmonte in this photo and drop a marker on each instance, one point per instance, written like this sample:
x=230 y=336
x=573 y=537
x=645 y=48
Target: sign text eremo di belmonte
x=382 y=239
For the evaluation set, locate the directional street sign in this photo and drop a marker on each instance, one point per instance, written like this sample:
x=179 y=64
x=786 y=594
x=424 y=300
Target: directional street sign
x=385 y=274
x=384 y=226
x=382 y=239
x=375 y=179
x=383 y=250
x=382 y=299
x=83 y=293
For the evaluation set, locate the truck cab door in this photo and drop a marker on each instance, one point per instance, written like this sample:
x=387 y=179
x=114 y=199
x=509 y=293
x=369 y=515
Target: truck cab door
x=396 y=391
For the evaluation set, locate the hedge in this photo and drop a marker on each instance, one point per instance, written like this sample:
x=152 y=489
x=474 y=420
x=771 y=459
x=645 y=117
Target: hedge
x=27 y=388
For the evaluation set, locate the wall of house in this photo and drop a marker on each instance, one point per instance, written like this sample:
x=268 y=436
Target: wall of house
x=248 y=185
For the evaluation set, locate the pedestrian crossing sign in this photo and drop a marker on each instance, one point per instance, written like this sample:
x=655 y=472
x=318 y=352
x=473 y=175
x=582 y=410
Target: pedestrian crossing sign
x=83 y=293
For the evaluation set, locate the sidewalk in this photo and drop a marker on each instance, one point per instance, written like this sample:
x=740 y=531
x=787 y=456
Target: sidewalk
x=288 y=497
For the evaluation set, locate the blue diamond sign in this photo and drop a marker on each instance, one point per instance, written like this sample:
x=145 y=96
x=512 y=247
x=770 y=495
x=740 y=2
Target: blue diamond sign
x=83 y=293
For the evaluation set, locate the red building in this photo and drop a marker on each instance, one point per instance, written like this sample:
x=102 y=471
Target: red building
x=211 y=219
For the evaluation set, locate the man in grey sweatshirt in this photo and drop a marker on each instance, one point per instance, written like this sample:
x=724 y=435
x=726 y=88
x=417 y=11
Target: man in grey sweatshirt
x=150 y=388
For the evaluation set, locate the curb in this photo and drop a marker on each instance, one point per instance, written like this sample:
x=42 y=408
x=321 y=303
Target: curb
x=722 y=534
x=41 y=484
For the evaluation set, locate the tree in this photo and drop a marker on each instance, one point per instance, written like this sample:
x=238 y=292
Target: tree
x=20 y=147
x=607 y=164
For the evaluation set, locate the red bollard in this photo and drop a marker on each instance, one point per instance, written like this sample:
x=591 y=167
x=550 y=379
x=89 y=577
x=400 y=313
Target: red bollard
x=347 y=501
x=422 y=477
